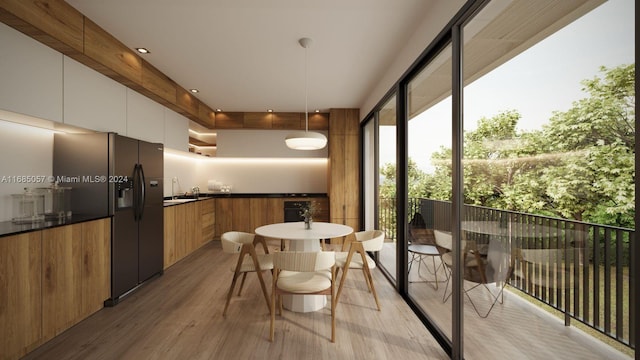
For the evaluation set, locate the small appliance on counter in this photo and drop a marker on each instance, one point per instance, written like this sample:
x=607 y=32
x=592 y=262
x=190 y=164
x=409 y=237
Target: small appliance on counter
x=28 y=207
x=57 y=202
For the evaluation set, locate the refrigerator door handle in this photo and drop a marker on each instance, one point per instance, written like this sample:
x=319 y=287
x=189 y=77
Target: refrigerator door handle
x=136 y=192
x=143 y=192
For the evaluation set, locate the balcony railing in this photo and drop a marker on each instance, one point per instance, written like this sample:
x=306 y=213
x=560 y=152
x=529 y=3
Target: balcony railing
x=580 y=269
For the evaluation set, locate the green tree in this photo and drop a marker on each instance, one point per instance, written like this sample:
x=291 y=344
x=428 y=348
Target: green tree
x=579 y=166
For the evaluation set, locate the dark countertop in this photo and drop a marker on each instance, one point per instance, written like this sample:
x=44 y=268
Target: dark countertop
x=204 y=196
x=10 y=228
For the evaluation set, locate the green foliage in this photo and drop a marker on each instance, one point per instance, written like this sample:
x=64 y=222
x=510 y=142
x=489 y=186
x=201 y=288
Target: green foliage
x=578 y=166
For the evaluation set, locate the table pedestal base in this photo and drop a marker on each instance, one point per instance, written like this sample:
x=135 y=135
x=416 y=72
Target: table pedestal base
x=304 y=303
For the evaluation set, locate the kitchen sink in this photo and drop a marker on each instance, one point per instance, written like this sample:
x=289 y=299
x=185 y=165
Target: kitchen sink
x=177 y=201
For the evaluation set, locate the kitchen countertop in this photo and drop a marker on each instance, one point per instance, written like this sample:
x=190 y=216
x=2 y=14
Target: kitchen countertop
x=204 y=196
x=10 y=228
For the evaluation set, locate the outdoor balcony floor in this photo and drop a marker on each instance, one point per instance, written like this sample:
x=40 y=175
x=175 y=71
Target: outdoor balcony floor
x=515 y=329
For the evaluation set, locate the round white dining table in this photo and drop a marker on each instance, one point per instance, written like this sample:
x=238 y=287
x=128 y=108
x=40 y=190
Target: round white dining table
x=301 y=239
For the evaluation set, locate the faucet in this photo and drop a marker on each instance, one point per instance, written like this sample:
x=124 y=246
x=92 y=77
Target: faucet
x=174 y=180
x=196 y=191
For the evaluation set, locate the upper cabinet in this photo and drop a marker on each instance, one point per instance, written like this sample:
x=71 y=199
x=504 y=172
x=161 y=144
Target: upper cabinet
x=145 y=118
x=92 y=100
x=31 y=76
x=176 y=131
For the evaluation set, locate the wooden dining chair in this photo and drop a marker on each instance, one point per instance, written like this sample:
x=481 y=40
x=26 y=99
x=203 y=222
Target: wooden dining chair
x=242 y=243
x=303 y=273
x=366 y=241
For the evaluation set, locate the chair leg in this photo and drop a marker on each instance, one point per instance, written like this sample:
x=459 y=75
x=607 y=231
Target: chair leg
x=344 y=276
x=244 y=276
x=230 y=293
x=264 y=289
x=272 y=307
x=333 y=306
x=369 y=278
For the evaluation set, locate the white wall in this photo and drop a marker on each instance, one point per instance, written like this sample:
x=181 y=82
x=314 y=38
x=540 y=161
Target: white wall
x=24 y=151
x=433 y=23
x=261 y=144
x=245 y=175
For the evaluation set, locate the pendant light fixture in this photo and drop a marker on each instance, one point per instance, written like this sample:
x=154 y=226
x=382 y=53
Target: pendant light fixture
x=305 y=140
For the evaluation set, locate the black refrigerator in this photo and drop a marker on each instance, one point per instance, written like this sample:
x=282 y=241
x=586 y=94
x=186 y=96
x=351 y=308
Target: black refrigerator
x=121 y=177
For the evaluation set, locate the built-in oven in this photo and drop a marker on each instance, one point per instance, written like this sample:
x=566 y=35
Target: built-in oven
x=293 y=209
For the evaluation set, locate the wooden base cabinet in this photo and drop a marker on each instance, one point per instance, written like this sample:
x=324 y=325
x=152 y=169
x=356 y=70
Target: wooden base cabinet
x=187 y=227
x=49 y=281
x=20 y=294
x=76 y=273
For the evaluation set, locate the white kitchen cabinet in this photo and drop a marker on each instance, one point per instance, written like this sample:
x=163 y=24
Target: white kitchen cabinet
x=176 y=130
x=31 y=76
x=92 y=100
x=145 y=118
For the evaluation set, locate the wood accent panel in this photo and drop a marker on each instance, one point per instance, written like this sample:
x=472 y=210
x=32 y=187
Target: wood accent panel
x=61 y=279
x=208 y=215
x=206 y=116
x=169 y=236
x=187 y=229
x=258 y=212
x=344 y=167
x=160 y=87
x=189 y=104
x=224 y=221
x=317 y=121
x=241 y=215
x=20 y=294
x=229 y=120
x=257 y=120
x=274 y=213
x=53 y=23
x=292 y=121
x=112 y=57
x=96 y=265
x=199 y=142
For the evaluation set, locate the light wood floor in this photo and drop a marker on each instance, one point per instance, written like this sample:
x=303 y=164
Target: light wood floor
x=179 y=316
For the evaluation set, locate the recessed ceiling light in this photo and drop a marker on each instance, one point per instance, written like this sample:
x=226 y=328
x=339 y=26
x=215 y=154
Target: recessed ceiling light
x=218 y=110
x=195 y=91
x=142 y=50
x=270 y=110
x=317 y=110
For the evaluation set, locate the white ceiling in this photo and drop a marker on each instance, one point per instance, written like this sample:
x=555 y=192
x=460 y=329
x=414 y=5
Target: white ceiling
x=243 y=55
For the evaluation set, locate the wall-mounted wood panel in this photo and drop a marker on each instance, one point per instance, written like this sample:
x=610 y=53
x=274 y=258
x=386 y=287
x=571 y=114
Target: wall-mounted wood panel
x=189 y=104
x=229 y=120
x=257 y=120
x=318 y=121
x=53 y=23
x=292 y=121
x=111 y=56
x=206 y=116
x=159 y=86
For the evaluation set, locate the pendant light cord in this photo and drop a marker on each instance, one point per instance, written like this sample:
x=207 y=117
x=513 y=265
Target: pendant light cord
x=306 y=91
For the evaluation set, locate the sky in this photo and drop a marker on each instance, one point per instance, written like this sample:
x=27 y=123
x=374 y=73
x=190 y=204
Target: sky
x=543 y=79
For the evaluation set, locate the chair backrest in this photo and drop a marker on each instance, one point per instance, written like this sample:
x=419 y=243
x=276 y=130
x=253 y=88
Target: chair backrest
x=443 y=239
x=372 y=240
x=304 y=261
x=232 y=241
